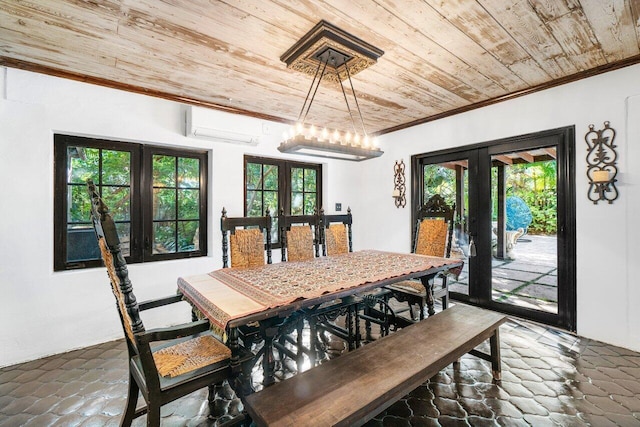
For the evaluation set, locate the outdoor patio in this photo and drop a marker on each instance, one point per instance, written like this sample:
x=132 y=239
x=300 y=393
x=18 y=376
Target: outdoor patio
x=530 y=280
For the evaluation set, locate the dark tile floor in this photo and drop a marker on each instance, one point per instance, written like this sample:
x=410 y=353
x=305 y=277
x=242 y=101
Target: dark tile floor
x=550 y=378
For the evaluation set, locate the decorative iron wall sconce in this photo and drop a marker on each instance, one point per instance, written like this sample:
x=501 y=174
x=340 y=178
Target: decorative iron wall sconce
x=399 y=187
x=601 y=164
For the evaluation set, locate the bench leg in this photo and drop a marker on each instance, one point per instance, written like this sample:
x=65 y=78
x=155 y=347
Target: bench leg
x=496 y=365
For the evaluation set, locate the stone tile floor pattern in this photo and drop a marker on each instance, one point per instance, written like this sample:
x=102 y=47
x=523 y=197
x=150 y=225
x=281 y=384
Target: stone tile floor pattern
x=550 y=378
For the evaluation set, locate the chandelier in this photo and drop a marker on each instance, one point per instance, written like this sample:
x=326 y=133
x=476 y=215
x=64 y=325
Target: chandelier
x=329 y=54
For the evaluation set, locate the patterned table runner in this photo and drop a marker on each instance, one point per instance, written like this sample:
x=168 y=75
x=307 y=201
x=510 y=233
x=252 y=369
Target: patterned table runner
x=232 y=293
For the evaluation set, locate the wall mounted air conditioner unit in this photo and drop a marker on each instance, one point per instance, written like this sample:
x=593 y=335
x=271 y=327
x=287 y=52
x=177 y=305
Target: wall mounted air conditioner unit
x=218 y=126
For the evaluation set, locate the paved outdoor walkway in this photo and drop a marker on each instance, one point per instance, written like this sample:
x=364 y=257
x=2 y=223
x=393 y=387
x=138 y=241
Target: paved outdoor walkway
x=530 y=280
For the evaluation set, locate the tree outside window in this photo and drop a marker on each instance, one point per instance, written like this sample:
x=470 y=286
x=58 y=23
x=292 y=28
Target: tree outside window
x=165 y=219
x=279 y=185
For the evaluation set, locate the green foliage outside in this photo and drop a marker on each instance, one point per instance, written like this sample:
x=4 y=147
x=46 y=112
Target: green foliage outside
x=442 y=180
x=262 y=182
x=535 y=183
x=176 y=195
x=303 y=191
x=176 y=204
x=83 y=164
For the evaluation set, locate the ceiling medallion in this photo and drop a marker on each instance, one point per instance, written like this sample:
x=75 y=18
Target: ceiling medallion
x=330 y=54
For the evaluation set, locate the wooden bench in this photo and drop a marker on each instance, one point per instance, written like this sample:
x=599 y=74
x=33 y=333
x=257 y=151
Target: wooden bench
x=353 y=388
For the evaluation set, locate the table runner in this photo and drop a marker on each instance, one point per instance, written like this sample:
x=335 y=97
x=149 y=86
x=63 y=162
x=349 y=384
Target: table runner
x=231 y=293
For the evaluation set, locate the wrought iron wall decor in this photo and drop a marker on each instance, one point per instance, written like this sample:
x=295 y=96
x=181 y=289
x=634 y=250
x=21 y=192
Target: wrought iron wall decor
x=601 y=164
x=399 y=188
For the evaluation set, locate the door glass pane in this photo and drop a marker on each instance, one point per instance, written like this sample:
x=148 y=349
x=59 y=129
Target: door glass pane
x=524 y=229
x=450 y=180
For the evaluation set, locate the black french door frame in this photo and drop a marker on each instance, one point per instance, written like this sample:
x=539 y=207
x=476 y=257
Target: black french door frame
x=479 y=217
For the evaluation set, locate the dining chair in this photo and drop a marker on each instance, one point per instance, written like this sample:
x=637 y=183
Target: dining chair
x=335 y=233
x=300 y=236
x=433 y=236
x=300 y=239
x=336 y=239
x=249 y=238
x=165 y=363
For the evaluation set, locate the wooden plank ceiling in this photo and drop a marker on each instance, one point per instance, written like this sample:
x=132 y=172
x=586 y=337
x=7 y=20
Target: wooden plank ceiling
x=440 y=57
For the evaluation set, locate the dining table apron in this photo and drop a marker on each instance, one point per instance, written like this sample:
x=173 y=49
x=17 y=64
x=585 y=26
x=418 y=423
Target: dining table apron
x=233 y=297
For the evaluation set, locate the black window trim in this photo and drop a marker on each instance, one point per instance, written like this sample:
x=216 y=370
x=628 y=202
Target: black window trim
x=141 y=192
x=284 y=181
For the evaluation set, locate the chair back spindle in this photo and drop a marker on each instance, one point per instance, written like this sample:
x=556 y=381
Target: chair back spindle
x=116 y=265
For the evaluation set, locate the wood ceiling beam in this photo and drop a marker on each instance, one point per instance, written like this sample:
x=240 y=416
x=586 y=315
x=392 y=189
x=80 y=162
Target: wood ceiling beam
x=526 y=156
x=551 y=151
x=504 y=159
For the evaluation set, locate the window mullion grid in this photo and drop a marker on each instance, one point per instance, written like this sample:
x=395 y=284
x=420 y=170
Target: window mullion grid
x=175 y=234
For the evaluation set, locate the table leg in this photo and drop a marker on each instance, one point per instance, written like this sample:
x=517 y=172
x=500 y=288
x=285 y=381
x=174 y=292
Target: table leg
x=357 y=325
x=240 y=379
x=268 y=332
x=427 y=282
x=496 y=364
x=313 y=341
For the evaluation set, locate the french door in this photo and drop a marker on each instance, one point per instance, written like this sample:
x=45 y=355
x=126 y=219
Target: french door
x=515 y=222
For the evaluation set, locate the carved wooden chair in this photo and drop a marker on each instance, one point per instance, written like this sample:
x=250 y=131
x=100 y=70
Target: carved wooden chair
x=250 y=238
x=335 y=239
x=434 y=232
x=300 y=237
x=164 y=364
x=335 y=233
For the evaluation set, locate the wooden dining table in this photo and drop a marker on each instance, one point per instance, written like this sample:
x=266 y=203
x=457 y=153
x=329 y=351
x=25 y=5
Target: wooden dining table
x=233 y=297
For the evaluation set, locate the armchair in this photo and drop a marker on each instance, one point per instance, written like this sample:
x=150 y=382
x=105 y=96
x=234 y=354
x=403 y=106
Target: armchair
x=165 y=363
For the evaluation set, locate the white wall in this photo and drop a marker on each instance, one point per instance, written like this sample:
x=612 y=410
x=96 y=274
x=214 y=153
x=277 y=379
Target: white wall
x=608 y=294
x=42 y=312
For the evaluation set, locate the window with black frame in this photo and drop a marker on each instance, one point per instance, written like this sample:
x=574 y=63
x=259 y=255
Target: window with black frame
x=156 y=195
x=276 y=184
